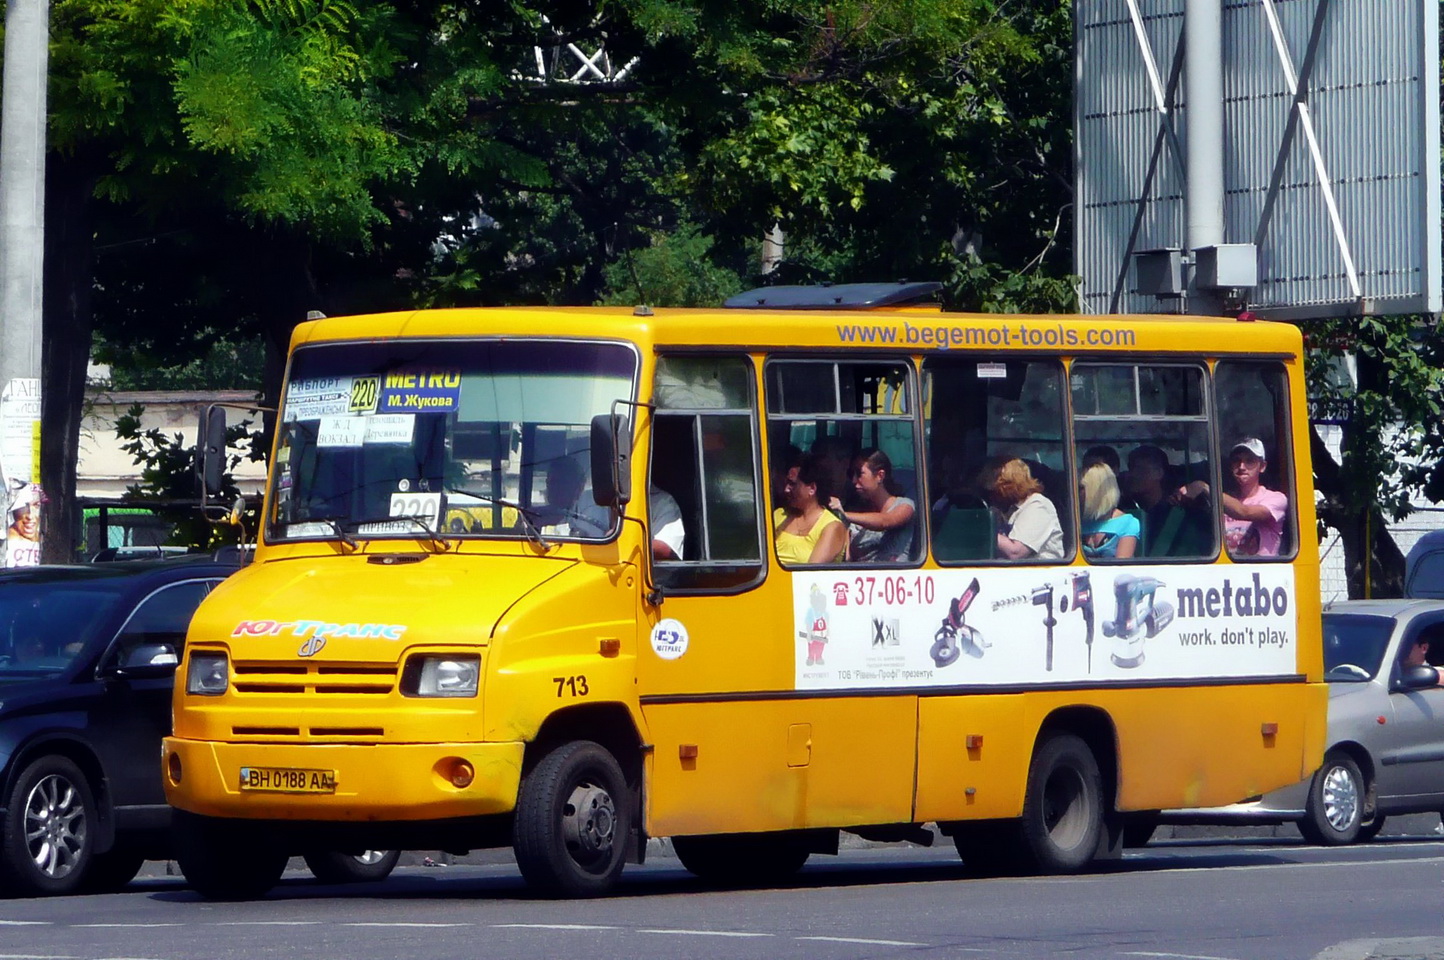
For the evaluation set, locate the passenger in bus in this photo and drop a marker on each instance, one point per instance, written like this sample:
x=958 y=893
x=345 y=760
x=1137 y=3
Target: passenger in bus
x=1028 y=522
x=1253 y=515
x=1102 y=453
x=805 y=530
x=837 y=463
x=1108 y=532
x=880 y=529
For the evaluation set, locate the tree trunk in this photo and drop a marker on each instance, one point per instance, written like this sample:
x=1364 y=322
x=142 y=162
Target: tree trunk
x=65 y=349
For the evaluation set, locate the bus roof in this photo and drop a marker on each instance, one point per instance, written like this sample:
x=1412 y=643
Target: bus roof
x=911 y=329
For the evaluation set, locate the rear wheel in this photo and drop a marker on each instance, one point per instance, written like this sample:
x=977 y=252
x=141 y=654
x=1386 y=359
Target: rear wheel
x=46 y=847
x=1063 y=807
x=1334 y=813
x=573 y=818
x=226 y=859
x=369 y=866
x=747 y=858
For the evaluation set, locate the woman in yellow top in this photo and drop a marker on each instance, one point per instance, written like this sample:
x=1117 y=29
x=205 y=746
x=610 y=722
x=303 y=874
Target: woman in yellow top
x=807 y=532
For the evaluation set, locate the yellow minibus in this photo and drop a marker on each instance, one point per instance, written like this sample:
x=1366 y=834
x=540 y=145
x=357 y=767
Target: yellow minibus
x=826 y=559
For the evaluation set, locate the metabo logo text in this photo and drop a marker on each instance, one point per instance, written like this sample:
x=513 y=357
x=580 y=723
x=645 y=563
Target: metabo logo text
x=1248 y=600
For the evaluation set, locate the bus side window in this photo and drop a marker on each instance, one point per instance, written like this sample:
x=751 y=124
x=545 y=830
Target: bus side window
x=838 y=413
x=704 y=459
x=1149 y=423
x=983 y=412
x=1255 y=458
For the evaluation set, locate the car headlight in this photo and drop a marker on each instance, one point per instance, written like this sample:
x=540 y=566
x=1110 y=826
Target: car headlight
x=208 y=674
x=439 y=675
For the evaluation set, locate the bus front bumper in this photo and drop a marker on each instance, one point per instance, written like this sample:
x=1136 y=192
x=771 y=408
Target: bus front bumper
x=341 y=782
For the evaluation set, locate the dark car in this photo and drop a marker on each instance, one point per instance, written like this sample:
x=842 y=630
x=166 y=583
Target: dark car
x=87 y=657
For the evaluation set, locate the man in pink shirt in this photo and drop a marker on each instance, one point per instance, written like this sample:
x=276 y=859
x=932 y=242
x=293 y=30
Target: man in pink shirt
x=1253 y=517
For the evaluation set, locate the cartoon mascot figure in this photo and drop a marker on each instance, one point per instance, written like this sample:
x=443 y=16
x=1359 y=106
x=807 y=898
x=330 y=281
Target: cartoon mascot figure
x=816 y=632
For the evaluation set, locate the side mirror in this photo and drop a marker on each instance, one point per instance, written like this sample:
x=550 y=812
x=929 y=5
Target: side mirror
x=147 y=660
x=1418 y=678
x=211 y=450
x=611 y=460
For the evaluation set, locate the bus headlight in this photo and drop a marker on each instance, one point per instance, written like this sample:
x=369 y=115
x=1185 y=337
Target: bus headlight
x=436 y=675
x=208 y=674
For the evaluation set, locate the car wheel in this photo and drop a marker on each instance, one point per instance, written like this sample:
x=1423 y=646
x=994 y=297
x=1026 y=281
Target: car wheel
x=573 y=819
x=112 y=870
x=1335 y=809
x=756 y=859
x=1370 y=830
x=369 y=866
x=48 y=834
x=1062 y=808
x=225 y=859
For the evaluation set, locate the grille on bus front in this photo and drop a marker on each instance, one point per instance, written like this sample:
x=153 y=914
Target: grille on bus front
x=367 y=679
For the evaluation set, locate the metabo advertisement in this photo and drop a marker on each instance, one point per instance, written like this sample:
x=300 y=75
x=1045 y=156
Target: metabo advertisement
x=1042 y=625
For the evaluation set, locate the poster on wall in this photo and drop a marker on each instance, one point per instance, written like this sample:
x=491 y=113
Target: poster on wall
x=19 y=466
x=1030 y=625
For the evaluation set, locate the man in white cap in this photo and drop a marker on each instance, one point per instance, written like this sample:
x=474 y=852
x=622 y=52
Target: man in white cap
x=1253 y=518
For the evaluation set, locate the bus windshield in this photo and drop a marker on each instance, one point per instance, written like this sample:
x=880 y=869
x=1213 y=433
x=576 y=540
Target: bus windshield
x=457 y=438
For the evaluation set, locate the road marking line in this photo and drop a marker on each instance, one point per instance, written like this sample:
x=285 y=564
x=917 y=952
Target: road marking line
x=709 y=933
x=26 y=923
x=552 y=926
x=110 y=925
x=268 y=923
x=35 y=956
x=875 y=943
x=400 y=924
x=1176 y=956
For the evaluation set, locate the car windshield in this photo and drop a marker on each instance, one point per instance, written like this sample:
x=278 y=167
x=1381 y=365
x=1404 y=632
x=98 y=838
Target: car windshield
x=45 y=625
x=456 y=438
x=1354 y=645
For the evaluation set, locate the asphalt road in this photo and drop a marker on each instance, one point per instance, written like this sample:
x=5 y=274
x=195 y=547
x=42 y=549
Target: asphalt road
x=1209 y=899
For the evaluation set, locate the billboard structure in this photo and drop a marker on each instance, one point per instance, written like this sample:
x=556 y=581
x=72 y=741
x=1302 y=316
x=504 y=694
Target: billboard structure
x=1278 y=155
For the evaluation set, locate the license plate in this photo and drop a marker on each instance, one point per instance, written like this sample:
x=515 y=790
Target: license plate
x=285 y=780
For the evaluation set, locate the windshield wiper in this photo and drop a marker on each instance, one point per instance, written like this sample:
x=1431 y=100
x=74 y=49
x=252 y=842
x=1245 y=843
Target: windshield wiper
x=335 y=524
x=528 y=515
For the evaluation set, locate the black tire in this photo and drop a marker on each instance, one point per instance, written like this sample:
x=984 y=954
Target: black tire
x=49 y=832
x=742 y=859
x=1063 y=807
x=573 y=820
x=1334 y=813
x=225 y=859
x=330 y=866
x=113 y=870
x=1370 y=830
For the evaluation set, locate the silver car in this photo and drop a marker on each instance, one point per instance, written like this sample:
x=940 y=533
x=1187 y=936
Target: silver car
x=1385 y=747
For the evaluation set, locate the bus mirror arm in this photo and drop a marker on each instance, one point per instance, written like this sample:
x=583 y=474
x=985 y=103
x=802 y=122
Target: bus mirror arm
x=654 y=593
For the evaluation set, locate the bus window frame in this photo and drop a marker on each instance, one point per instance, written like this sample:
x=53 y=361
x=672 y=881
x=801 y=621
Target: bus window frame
x=1283 y=429
x=912 y=392
x=761 y=564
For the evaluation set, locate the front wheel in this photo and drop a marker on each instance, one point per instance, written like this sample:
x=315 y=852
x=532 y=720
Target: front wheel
x=1063 y=808
x=225 y=859
x=573 y=818
x=49 y=833
x=1370 y=830
x=1335 y=810
x=369 y=866
x=746 y=858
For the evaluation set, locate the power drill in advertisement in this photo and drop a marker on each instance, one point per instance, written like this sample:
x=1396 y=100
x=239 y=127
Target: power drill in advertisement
x=1081 y=597
x=1139 y=616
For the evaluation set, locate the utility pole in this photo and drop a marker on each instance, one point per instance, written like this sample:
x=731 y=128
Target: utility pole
x=22 y=258
x=1203 y=115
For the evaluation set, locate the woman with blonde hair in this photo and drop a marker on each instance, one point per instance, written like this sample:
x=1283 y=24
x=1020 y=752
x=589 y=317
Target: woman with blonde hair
x=1107 y=531
x=1029 y=528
